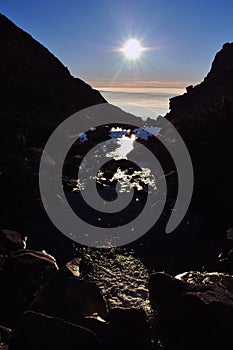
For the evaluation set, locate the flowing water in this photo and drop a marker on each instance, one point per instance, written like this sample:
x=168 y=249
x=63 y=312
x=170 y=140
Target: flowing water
x=121 y=277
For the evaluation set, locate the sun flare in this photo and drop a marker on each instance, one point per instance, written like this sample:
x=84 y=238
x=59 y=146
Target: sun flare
x=132 y=49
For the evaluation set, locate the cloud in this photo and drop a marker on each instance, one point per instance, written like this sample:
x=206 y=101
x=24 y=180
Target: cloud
x=143 y=102
x=144 y=98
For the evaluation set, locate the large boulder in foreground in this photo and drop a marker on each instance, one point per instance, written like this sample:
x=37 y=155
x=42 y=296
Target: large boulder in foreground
x=33 y=266
x=130 y=329
x=23 y=274
x=37 y=331
x=124 y=329
x=191 y=316
x=70 y=298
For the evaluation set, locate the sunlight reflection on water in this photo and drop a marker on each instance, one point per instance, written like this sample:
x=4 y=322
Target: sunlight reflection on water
x=118 y=147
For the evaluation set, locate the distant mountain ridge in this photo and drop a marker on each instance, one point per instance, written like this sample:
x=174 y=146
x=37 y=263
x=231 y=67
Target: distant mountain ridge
x=34 y=82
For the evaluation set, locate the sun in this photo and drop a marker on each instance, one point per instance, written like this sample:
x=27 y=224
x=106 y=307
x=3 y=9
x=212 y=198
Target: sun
x=132 y=49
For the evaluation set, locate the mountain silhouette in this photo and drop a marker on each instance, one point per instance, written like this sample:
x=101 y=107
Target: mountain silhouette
x=204 y=118
x=34 y=82
x=217 y=84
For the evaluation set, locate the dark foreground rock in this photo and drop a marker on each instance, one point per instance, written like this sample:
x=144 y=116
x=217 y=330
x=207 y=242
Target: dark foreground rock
x=70 y=298
x=4 y=335
x=129 y=329
x=36 y=332
x=191 y=316
x=22 y=274
x=124 y=329
x=222 y=280
x=225 y=262
x=12 y=240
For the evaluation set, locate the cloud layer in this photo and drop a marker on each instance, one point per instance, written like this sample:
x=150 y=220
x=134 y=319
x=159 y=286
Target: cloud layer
x=142 y=98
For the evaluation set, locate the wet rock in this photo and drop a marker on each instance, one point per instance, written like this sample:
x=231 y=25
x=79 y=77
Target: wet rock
x=120 y=276
x=217 y=278
x=70 y=298
x=12 y=240
x=72 y=267
x=37 y=331
x=191 y=316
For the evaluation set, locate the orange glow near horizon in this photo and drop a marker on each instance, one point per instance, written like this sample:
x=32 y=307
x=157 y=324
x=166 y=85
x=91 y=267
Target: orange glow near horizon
x=140 y=84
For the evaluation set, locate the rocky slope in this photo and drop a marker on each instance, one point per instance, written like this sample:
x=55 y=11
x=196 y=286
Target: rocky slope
x=37 y=92
x=34 y=83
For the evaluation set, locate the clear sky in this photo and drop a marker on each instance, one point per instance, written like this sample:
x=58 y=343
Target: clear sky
x=181 y=38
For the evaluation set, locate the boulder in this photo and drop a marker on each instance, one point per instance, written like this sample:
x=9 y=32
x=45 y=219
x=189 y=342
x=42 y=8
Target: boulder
x=4 y=335
x=70 y=298
x=37 y=331
x=225 y=262
x=123 y=329
x=72 y=267
x=87 y=295
x=129 y=329
x=24 y=273
x=223 y=280
x=36 y=266
x=191 y=316
x=12 y=240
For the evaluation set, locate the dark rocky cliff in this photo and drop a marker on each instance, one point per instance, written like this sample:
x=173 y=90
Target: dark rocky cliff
x=217 y=84
x=34 y=82
x=204 y=117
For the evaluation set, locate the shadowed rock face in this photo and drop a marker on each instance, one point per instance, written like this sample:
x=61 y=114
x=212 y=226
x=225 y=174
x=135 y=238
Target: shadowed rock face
x=74 y=296
x=22 y=274
x=34 y=82
x=37 y=331
x=204 y=118
x=191 y=316
x=37 y=92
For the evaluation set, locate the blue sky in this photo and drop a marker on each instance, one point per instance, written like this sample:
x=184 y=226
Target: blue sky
x=182 y=37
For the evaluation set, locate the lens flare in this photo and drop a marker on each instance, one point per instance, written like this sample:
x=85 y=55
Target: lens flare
x=132 y=49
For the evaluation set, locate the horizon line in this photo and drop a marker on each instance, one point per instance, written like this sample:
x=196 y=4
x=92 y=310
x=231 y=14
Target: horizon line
x=141 y=84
